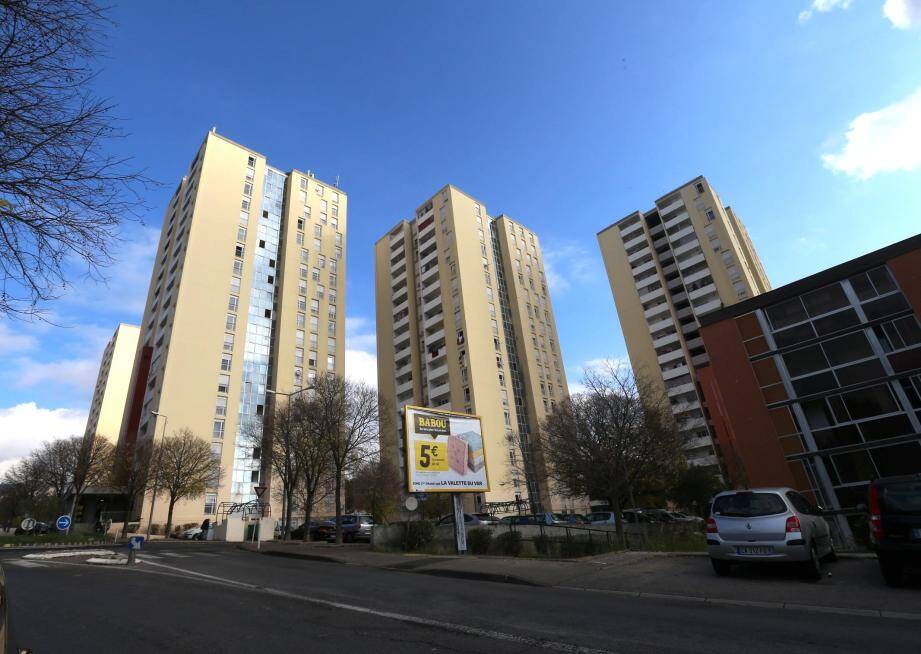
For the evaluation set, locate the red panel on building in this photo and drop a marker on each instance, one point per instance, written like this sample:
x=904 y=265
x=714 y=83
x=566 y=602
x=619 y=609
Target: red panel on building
x=907 y=270
x=751 y=451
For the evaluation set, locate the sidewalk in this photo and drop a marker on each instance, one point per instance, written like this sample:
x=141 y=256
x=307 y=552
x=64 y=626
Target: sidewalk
x=853 y=585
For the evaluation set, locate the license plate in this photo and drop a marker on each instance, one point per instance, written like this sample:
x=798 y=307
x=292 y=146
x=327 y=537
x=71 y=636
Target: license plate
x=916 y=534
x=753 y=549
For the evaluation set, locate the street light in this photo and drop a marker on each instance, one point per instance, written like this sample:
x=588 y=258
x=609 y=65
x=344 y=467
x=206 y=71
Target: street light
x=156 y=488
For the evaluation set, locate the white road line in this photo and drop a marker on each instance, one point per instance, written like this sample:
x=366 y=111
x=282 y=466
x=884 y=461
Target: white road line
x=175 y=554
x=25 y=564
x=206 y=554
x=401 y=617
x=149 y=556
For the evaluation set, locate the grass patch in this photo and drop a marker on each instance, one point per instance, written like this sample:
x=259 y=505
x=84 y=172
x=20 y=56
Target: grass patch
x=678 y=542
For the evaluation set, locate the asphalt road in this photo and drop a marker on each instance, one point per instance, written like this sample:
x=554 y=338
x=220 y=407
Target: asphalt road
x=219 y=599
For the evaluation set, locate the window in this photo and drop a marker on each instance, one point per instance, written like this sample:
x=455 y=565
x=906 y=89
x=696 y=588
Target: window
x=322 y=261
x=241 y=234
x=301 y=320
x=899 y=334
x=223 y=383
x=321 y=291
x=303 y=271
x=870 y=284
x=228 y=342
x=231 y=322
x=232 y=303
x=314 y=306
x=868 y=402
x=825 y=300
x=226 y=361
x=220 y=407
x=847 y=348
x=786 y=313
x=238 y=251
x=247 y=189
x=211 y=498
x=331 y=328
x=710 y=216
x=312 y=359
x=299 y=356
x=317 y=244
x=235 y=284
x=237 y=267
x=217 y=431
x=314 y=340
x=299 y=337
x=318 y=231
x=315 y=273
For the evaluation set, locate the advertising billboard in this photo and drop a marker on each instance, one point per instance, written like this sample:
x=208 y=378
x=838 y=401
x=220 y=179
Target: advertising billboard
x=444 y=452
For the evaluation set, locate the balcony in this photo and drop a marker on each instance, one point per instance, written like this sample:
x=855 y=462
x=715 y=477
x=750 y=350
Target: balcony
x=696 y=276
x=432 y=304
x=405 y=386
x=681 y=233
x=703 y=290
x=643 y=268
x=686 y=247
x=427 y=258
x=401 y=292
x=631 y=230
x=674 y=205
x=428 y=275
x=709 y=460
x=440 y=392
x=693 y=423
x=397 y=237
x=665 y=340
x=404 y=370
x=399 y=339
x=656 y=310
x=652 y=295
x=438 y=370
x=690 y=261
x=397 y=279
x=700 y=360
x=404 y=321
x=437 y=319
x=671 y=373
x=712 y=305
x=659 y=325
x=435 y=337
x=695 y=342
x=679 y=390
x=697 y=443
x=671 y=356
x=401 y=307
x=639 y=254
x=633 y=242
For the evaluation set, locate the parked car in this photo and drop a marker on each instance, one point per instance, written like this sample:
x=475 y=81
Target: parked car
x=470 y=519
x=680 y=516
x=635 y=516
x=895 y=525
x=659 y=515
x=767 y=525
x=191 y=534
x=485 y=518
x=602 y=518
x=39 y=528
x=355 y=527
x=519 y=520
x=571 y=518
x=298 y=532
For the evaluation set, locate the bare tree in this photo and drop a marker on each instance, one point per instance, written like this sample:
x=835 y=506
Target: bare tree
x=313 y=458
x=62 y=195
x=278 y=439
x=55 y=462
x=131 y=473
x=185 y=468
x=615 y=437
x=345 y=412
x=24 y=490
x=93 y=459
x=375 y=487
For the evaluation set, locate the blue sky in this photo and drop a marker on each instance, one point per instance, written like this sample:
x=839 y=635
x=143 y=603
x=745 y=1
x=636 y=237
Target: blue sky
x=805 y=117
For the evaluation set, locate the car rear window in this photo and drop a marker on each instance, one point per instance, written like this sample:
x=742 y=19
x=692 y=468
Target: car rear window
x=902 y=497
x=748 y=505
x=595 y=517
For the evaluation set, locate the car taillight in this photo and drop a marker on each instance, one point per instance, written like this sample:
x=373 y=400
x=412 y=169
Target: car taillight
x=876 y=515
x=711 y=526
x=793 y=525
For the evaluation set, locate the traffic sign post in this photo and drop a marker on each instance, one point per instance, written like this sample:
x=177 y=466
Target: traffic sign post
x=27 y=524
x=63 y=523
x=134 y=544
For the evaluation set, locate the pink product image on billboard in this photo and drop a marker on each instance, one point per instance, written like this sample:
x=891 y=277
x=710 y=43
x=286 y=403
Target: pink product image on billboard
x=444 y=452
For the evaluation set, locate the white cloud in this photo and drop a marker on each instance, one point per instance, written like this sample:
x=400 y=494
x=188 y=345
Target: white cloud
x=360 y=348
x=881 y=141
x=77 y=373
x=568 y=264
x=24 y=426
x=822 y=7
x=14 y=341
x=903 y=14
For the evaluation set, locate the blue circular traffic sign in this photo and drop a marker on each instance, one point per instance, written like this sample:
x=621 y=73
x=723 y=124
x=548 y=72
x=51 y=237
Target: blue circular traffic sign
x=63 y=523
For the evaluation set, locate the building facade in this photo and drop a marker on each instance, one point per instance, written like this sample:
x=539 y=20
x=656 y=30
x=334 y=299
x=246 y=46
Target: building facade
x=668 y=266
x=247 y=295
x=111 y=392
x=465 y=322
x=817 y=384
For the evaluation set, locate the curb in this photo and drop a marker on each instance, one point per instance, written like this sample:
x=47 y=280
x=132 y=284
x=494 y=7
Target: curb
x=54 y=546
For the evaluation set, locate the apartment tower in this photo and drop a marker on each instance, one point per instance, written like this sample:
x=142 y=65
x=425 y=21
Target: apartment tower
x=111 y=392
x=464 y=322
x=668 y=266
x=247 y=295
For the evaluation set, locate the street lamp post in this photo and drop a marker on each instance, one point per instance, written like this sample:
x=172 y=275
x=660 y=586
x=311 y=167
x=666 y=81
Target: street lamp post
x=156 y=488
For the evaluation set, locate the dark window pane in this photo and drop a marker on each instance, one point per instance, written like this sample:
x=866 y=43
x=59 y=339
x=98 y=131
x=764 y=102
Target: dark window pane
x=885 y=306
x=888 y=339
x=904 y=459
x=786 y=313
x=837 y=407
x=836 y=321
x=836 y=436
x=854 y=466
x=794 y=335
x=909 y=329
x=869 y=402
x=816 y=384
x=818 y=414
x=882 y=280
x=847 y=348
x=862 y=287
x=860 y=372
x=805 y=360
x=825 y=299
x=832 y=473
x=851 y=496
x=914 y=396
x=874 y=430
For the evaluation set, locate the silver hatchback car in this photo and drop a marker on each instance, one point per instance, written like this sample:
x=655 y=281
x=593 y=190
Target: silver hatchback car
x=765 y=525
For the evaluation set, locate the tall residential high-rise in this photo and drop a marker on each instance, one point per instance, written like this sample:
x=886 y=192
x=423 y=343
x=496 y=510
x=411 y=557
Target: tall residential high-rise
x=464 y=322
x=247 y=294
x=668 y=266
x=111 y=393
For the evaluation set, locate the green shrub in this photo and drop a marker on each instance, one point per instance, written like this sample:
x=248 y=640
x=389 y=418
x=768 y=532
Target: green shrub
x=155 y=529
x=478 y=540
x=546 y=545
x=508 y=543
x=419 y=533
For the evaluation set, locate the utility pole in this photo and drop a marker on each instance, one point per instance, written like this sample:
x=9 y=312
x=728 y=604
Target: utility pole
x=156 y=488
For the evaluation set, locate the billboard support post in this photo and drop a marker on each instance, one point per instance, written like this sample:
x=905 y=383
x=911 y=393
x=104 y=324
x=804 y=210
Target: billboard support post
x=460 y=529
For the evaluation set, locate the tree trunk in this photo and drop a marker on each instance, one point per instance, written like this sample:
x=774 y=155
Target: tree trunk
x=127 y=519
x=614 y=503
x=286 y=498
x=338 y=507
x=169 y=516
x=308 y=510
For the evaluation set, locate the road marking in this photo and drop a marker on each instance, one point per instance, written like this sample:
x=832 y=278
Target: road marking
x=149 y=556
x=206 y=554
x=401 y=617
x=784 y=606
x=25 y=564
x=175 y=554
